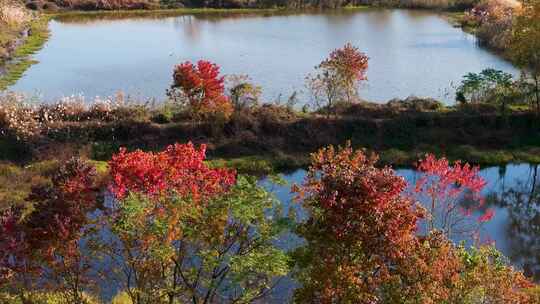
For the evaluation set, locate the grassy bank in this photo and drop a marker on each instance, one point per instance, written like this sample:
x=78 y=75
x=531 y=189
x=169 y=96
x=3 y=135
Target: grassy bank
x=119 y=14
x=270 y=141
x=79 y=16
x=272 y=138
x=21 y=59
x=272 y=164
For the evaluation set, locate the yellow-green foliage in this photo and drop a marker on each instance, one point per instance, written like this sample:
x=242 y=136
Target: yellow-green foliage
x=101 y=166
x=39 y=33
x=43 y=298
x=16 y=181
x=535 y=294
x=122 y=298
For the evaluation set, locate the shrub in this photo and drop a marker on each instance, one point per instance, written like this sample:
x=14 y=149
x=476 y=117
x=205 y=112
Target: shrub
x=107 y=4
x=18 y=117
x=12 y=14
x=489 y=86
x=243 y=94
x=494 y=19
x=416 y=104
x=44 y=243
x=444 y=188
x=486 y=278
x=359 y=230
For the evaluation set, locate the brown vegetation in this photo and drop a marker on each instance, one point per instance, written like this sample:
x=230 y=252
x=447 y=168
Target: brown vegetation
x=13 y=19
x=424 y=4
x=405 y=128
x=493 y=21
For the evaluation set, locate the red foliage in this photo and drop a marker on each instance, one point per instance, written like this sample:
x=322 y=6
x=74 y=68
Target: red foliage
x=349 y=62
x=360 y=226
x=203 y=87
x=48 y=238
x=12 y=245
x=61 y=209
x=179 y=168
x=347 y=188
x=444 y=186
x=362 y=245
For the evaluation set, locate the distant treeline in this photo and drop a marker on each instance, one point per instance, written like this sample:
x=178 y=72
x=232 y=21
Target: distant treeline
x=292 y=4
x=442 y=4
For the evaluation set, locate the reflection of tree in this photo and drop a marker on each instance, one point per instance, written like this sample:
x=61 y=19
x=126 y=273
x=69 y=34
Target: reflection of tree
x=189 y=25
x=522 y=202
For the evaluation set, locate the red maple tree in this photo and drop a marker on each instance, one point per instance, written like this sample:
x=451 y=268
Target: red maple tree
x=179 y=167
x=202 y=89
x=451 y=194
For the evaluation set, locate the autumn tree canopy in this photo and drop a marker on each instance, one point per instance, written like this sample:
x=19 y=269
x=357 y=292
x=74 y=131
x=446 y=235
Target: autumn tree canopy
x=201 y=89
x=336 y=78
x=363 y=245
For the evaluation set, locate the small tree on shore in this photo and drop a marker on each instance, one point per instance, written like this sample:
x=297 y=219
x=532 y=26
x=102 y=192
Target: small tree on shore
x=337 y=77
x=489 y=86
x=200 y=89
x=243 y=94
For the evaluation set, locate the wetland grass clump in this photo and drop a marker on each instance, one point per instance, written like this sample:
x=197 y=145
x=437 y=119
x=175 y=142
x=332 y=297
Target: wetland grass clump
x=20 y=60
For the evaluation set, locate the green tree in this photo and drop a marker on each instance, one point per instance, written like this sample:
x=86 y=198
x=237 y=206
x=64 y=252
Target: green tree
x=489 y=86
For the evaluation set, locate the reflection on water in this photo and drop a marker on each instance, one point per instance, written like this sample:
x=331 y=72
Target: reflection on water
x=513 y=191
x=411 y=52
x=520 y=199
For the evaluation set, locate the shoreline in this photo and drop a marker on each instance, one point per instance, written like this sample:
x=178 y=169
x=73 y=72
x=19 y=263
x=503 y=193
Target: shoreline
x=271 y=138
x=20 y=59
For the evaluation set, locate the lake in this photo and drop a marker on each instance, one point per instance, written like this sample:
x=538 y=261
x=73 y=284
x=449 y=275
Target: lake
x=411 y=52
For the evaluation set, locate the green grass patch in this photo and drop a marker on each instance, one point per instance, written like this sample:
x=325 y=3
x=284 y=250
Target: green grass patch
x=261 y=165
x=14 y=71
x=472 y=155
x=21 y=61
x=16 y=182
x=74 y=16
x=102 y=167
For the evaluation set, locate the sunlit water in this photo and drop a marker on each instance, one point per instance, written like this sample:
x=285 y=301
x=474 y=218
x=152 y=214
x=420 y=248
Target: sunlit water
x=411 y=53
x=513 y=191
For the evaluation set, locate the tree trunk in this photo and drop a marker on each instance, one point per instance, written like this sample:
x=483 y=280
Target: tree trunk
x=537 y=93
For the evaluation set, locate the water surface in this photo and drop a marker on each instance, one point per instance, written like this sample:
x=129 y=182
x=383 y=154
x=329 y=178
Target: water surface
x=411 y=52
